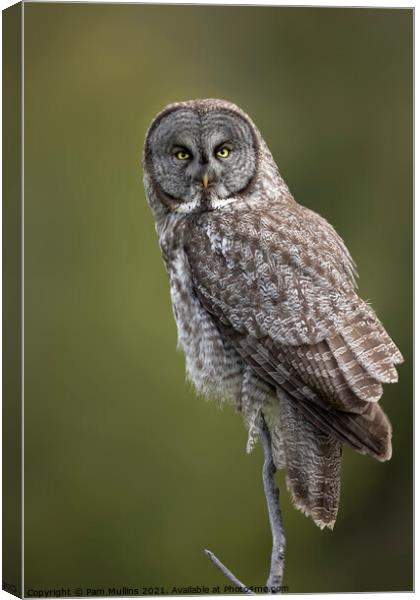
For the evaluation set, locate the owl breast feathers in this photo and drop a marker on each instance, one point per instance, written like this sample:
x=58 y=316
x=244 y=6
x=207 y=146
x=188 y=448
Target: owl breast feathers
x=264 y=297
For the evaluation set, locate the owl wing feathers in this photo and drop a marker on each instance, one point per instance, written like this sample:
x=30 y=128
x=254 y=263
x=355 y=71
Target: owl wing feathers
x=290 y=308
x=280 y=285
x=367 y=431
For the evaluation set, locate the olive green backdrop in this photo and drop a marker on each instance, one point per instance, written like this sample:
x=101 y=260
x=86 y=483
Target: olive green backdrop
x=129 y=475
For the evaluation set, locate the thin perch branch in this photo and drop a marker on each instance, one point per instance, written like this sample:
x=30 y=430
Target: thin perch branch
x=271 y=491
x=275 y=578
x=228 y=573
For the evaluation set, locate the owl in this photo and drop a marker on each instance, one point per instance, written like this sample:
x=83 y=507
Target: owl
x=264 y=297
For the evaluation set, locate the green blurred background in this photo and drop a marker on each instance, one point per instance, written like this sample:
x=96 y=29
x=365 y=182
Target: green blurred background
x=129 y=475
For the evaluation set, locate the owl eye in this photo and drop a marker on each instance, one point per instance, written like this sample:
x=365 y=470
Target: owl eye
x=223 y=152
x=182 y=155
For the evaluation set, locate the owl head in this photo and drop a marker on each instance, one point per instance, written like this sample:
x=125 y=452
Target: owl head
x=199 y=154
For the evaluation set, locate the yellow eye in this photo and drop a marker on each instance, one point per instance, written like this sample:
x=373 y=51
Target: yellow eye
x=223 y=153
x=182 y=155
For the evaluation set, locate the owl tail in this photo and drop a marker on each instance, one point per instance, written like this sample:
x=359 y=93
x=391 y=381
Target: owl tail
x=313 y=461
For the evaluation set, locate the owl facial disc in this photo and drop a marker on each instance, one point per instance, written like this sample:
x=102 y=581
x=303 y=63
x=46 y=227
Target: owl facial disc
x=200 y=157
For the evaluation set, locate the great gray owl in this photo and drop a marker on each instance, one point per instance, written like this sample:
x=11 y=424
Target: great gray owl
x=263 y=292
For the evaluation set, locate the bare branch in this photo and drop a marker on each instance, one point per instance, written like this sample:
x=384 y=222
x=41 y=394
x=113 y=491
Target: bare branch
x=271 y=491
x=228 y=573
x=275 y=578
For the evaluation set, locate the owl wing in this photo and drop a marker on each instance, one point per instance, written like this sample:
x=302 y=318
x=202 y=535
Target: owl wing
x=279 y=283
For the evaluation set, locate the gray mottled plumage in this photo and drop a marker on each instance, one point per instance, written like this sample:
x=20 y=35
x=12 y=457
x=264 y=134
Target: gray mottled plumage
x=263 y=292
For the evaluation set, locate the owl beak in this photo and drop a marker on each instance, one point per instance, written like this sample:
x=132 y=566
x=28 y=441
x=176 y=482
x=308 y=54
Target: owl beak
x=205 y=180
